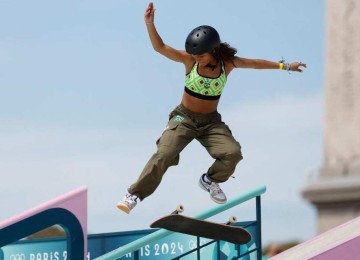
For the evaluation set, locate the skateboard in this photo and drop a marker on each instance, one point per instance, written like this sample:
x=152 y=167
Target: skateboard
x=203 y=228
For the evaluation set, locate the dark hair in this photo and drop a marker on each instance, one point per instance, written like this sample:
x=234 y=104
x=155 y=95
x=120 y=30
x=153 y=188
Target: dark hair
x=225 y=52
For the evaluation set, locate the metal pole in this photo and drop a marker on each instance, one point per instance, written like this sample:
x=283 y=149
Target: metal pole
x=132 y=246
x=258 y=229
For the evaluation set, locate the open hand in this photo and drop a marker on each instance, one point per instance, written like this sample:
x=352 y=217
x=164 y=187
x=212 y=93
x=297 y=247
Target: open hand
x=149 y=13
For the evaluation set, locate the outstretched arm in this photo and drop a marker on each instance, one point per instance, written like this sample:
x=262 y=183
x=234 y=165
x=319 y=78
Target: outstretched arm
x=157 y=42
x=265 y=64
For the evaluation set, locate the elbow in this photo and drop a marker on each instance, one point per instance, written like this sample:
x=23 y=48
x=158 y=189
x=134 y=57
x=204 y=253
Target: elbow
x=159 y=47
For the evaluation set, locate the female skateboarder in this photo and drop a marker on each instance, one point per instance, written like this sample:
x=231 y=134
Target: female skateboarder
x=208 y=62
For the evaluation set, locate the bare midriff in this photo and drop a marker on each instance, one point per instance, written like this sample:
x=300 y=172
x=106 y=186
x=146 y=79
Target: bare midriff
x=199 y=105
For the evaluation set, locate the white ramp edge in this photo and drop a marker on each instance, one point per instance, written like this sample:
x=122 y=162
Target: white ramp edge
x=342 y=242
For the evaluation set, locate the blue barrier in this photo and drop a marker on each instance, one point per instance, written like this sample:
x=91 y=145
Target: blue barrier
x=135 y=245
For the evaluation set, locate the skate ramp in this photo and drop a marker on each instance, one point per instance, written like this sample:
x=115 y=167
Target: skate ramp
x=342 y=242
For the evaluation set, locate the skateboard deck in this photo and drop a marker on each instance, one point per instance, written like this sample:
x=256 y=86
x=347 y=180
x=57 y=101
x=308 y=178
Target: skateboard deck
x=203 y=228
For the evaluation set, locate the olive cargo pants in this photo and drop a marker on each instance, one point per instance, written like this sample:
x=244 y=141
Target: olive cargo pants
x=183 y=127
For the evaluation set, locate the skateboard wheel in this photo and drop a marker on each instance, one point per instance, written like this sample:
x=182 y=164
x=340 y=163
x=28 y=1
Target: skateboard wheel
x=232 y=220
x=180 y=208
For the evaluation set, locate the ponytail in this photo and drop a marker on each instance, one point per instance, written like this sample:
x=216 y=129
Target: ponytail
x=225 y=52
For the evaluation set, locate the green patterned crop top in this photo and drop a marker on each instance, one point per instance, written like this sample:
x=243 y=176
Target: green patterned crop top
x=203 y=87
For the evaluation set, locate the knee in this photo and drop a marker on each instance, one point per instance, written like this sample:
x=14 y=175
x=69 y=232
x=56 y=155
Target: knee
x=234 y=155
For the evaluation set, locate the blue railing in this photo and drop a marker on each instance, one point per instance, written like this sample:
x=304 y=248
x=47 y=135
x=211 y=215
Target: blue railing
x=134 y=246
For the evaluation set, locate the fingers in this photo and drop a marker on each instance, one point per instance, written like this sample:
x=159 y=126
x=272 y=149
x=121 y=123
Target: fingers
x=301 y=65
x=150 y=10
x=150 y=7
x=296 y=66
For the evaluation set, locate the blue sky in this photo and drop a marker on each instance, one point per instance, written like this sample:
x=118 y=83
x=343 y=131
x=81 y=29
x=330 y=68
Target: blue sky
x=84 y=98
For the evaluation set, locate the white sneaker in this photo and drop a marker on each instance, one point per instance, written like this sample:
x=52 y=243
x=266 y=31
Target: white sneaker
x=216 y=194
x=127 y=203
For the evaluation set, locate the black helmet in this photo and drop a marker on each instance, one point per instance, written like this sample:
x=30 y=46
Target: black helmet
x=202 y=39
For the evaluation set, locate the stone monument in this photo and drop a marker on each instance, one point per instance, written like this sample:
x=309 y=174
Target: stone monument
x=336 y=191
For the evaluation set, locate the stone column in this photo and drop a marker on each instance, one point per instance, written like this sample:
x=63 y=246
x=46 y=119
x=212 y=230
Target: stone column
x=336 y=191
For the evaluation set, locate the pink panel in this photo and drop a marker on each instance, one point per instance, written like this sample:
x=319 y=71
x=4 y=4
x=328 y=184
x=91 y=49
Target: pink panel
x=346 y=251
x=74 y=201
